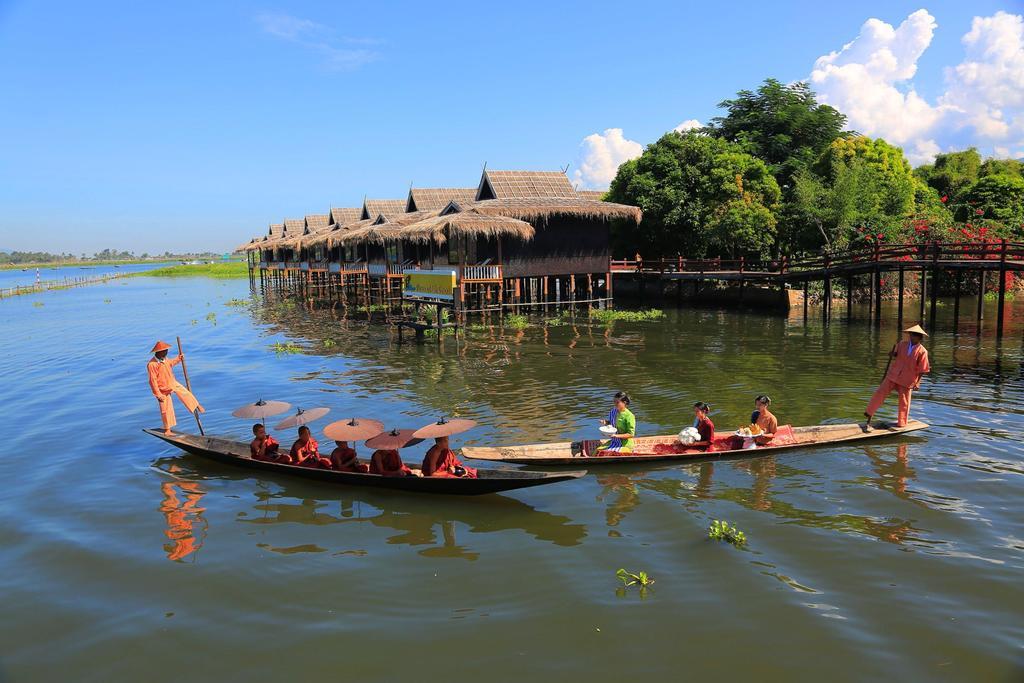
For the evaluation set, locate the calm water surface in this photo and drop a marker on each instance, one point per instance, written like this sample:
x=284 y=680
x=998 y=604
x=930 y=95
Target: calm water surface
x=124 y=559
x=27 y=276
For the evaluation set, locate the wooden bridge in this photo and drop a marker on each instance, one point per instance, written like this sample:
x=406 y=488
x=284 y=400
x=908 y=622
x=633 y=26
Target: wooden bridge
x=928 y=259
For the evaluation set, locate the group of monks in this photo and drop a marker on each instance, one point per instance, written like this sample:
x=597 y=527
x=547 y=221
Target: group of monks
x=440 y=460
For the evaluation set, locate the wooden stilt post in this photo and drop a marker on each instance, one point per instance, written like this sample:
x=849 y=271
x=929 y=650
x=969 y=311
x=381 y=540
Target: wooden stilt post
x=1000 y=312
x=956 y=301
x=981 y=297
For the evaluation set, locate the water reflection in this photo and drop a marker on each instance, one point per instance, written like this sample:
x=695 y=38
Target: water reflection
x=431 y=521
x=186 y=526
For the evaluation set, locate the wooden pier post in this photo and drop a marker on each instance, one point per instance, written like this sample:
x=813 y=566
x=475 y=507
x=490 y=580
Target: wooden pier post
x=981 y=297
x=956 y=301
x=827 y=302
x=1000 y=312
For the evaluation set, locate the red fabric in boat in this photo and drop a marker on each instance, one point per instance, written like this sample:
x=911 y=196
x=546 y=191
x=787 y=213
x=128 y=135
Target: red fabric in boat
x=784 y=436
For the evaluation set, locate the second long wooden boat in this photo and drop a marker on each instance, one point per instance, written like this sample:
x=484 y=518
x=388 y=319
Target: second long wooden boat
x=487 y=481
x=652 y=448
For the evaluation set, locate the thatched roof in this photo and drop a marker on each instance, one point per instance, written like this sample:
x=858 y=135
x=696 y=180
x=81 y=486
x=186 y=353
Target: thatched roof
x=542 y=208
x=380 y=228
x=596 y=195
x=435 y=228
x=435 y=199
x=522 y=184
x=315 y=222
x=341 y=216
x=376 y=207
x=248 y=246
x=276 y=231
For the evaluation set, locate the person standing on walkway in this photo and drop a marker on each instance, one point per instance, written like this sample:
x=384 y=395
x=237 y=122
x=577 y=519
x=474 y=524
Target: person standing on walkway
x=908 y=362
x=165 y=386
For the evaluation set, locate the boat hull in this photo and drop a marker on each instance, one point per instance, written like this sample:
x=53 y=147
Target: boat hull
x=236 y=453
x=573 y=453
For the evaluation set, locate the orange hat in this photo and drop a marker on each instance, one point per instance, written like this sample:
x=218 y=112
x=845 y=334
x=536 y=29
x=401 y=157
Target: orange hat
x=160 y=346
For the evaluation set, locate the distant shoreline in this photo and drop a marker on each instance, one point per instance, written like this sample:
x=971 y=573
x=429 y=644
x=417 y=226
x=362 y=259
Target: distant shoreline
x=71 y=264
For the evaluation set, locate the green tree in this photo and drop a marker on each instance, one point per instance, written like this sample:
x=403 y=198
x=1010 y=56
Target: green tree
x=1005 y=167
x=953 y=173
x=783 y=125
x=700 y=196
x=996 y=197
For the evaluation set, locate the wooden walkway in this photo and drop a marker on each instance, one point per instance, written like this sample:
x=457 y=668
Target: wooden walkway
x=64 y=283
x=929 y=260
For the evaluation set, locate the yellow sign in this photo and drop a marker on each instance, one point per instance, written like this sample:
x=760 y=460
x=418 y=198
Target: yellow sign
x=429 y=284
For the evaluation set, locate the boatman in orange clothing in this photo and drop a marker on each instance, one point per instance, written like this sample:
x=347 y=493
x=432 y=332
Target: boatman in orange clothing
x=165 y=386
x=908 y=362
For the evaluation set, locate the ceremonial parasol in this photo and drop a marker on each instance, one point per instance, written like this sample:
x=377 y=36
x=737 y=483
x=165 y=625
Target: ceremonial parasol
x=302 y=417
x=444 y=427
x=396 y=438
x=261 y=410
x=356 y=429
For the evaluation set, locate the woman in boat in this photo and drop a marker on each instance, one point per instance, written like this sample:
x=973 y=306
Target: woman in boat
x=388 y=463
x=306 y=451
x=764 y=419
x=440 y=461
x=613 y=414
x=343 y=459
x=625 y=428
x=266 y=447
x=705 y=427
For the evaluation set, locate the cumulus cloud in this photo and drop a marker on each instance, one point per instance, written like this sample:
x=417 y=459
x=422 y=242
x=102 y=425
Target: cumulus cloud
x=688 y=124
x=870 y=80
x=600 y=157
x=338 y=53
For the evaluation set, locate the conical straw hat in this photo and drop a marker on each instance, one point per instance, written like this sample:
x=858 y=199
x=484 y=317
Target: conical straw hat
x=916 y=329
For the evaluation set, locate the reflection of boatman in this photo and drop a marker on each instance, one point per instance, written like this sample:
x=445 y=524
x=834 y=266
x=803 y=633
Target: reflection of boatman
x=908 y=362
x=164 y=385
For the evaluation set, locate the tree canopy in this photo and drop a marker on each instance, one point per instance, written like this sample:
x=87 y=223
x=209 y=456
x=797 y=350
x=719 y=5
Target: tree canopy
x=699 y=195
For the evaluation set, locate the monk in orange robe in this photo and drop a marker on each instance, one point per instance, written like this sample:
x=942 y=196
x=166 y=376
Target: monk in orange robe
x=266 y=447
x=343 y=459
x=388 y=463
x=164 y=385
x=440 y=461
x=909 y=361
x=306 y=451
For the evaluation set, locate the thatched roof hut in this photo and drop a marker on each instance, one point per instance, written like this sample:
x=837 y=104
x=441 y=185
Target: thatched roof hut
x=522 y=184
x=343 y=215
x=596 y=195
x=465 y=223
x=435 y=199
x=386 y=207
x=544 y=208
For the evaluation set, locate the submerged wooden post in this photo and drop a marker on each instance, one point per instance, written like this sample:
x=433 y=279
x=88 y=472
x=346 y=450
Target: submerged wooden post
x=1000 y=312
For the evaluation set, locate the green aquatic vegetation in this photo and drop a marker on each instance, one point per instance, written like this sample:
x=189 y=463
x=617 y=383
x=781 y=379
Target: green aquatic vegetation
x=236 y=302
x=994 y=296
x=607 y=315
x=195 y=322
x=372 y=308
x=630 y=579
x=517 y=321
x=227 y=269
x=212 y=317
x=329 y=343
x=721 y=530
x=38 y=304
x=287 y=348
x=106 y=301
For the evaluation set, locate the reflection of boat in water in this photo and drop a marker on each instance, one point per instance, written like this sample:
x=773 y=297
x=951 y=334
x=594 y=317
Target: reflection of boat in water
x=650 y=448
x=487 y=480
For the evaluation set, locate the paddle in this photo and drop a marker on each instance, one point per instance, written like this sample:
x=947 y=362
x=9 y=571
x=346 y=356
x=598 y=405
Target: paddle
x=188 y=385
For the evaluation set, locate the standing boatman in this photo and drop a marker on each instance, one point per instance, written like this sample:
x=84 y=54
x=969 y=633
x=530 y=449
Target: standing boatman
x=164 y=385
x=908 y=361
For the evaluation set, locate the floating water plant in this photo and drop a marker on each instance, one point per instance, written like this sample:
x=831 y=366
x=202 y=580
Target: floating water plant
x=38 y=304
x=517 y=321
x=288 y=347
x=721 y=530
x=236 y=302
x=328 y=343
x=607 y=315
x=212 y=317
x=630 y=579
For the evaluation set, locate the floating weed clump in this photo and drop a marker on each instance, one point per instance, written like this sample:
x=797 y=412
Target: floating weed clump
x=38 y=304
x=517 y=321
x=607 y=315
x=212 y=317
x=236 y=302
x=630 y=579
x=372 y=308
x=106 y=301
x=287 y=348
x=721 y=530
x=329 y=343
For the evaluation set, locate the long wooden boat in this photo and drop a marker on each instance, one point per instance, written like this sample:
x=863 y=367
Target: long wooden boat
x=652 y=448
x=488 y=480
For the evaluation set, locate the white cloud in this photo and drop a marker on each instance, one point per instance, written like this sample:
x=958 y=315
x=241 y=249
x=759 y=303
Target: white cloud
x=600 y=157
x=869 y=80
x=688 y=124
x=337 y=53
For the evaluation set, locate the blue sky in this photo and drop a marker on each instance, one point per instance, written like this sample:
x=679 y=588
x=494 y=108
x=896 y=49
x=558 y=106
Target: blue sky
x=186 y=125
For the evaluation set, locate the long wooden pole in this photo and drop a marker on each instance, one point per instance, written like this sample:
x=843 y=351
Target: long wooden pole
x=188 y=385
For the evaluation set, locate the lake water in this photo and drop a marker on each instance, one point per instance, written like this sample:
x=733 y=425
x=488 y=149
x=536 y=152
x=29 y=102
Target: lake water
x=124 y=559
x=27 y=276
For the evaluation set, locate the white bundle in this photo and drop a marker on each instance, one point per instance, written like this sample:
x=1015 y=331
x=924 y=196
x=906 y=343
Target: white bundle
x=689 y=435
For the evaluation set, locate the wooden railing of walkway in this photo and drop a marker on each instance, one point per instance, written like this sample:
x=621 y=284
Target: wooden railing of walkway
x=1001 y=256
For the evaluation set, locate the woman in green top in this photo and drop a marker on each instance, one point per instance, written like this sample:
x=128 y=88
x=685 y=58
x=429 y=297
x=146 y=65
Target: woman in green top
x=625 y=425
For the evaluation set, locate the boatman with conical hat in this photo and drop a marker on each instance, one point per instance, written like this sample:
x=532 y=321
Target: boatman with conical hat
x=907 y=363
x=165 y=386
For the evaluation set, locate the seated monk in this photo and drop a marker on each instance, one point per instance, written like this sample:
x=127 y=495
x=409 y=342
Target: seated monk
x=440 y=461
x=265 y=447
x=388 y=463
x=306 y=451
x=344 y=459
